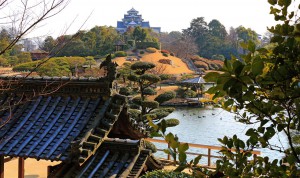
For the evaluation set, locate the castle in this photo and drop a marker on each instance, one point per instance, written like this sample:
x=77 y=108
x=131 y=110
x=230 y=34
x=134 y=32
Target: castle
x=133 y=19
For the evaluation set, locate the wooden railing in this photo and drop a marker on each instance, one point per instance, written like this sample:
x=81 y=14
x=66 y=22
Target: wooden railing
x=209 y=148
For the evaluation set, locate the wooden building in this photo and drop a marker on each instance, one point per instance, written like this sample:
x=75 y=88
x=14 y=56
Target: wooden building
x=75 y=121
x=38 y=54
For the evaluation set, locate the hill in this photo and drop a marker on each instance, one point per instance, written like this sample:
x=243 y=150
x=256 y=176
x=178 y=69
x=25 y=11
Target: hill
x=168 y=65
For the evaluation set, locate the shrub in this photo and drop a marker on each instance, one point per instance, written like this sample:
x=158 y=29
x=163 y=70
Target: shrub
x=151 y=50
x=166 y=174
x=172 y=122
x=142 y=52
x=165 y=54
x=25 y=66
x=125 y=91
x=213 y=66
x=196 y=58
x=150 y=146
x=201 y=64
x=172 y=54
x=189 y=94
x=144 y=45
x=165 y=61
x=120 y=54
x=218 y=57
x=165 y=97
x=3 y=62
x=165 y=51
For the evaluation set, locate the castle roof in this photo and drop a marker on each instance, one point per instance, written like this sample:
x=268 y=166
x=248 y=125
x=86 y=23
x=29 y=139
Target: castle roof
x=132 y=10
x=132 y=23
x=133 y=19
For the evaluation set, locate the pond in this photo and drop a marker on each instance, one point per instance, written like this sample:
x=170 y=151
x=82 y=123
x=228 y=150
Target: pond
x=205 y=126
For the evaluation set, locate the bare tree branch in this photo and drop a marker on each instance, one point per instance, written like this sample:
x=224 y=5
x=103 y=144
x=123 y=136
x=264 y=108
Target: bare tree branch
x=28 y=22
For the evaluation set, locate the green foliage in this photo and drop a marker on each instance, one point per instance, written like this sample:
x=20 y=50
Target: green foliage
x=139 y=33
x=150 y=146
x=172 y=122
x=150 y=104
x=145 y=45
x=141 y=67
x=149 y=79
x=218 y=57
x=166 y=174
x=98 y=41
x=189 y=94
x=264 y=87
x=120 y=54
x=3 y=61
x=165 y=97
x=25 y=66
x=149 y=91
x=165 y=54
x=125 y=91
x=150 y=50
x=60 y=66
x=164 y=76
x=142 y=52
x=52 y=69
x=24 y=57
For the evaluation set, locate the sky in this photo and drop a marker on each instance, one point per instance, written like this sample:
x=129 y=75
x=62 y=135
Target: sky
x=170 y=15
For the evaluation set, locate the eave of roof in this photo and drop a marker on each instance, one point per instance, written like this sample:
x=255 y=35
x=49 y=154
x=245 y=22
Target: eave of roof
x=118 y=157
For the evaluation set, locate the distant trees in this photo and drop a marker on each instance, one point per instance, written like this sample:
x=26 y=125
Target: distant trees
x=208 y=40
x=56 y=66
x=99 y=40
x=139 y=34
x=181 y=45
x=212 y=38
x=262 y=88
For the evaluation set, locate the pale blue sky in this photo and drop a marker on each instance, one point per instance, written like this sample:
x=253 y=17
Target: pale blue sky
x=170 y=15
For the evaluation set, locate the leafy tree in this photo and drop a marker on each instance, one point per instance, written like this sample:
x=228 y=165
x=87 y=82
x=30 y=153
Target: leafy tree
x=148 y=110
x=90 y=61
x=3 y=61
x=217 y=29
x=48 y=44
x=125 y=71
x=263 y=88
x=139 y=34
x=24 y=57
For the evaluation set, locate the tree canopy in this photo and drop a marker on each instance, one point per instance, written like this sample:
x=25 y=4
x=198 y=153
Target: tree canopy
x=262 y=87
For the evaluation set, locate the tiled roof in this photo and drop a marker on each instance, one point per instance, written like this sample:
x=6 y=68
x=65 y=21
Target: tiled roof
x=115 y=157
x=45 y=127
x=71 y=124
x=68 y=124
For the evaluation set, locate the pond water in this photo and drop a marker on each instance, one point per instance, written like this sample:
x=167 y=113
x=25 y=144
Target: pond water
x=205 y=126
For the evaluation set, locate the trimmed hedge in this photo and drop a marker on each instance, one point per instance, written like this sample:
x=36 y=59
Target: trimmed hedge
x=120 y=54
x=165 y=54
x=151 y=50
x=144 y=45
